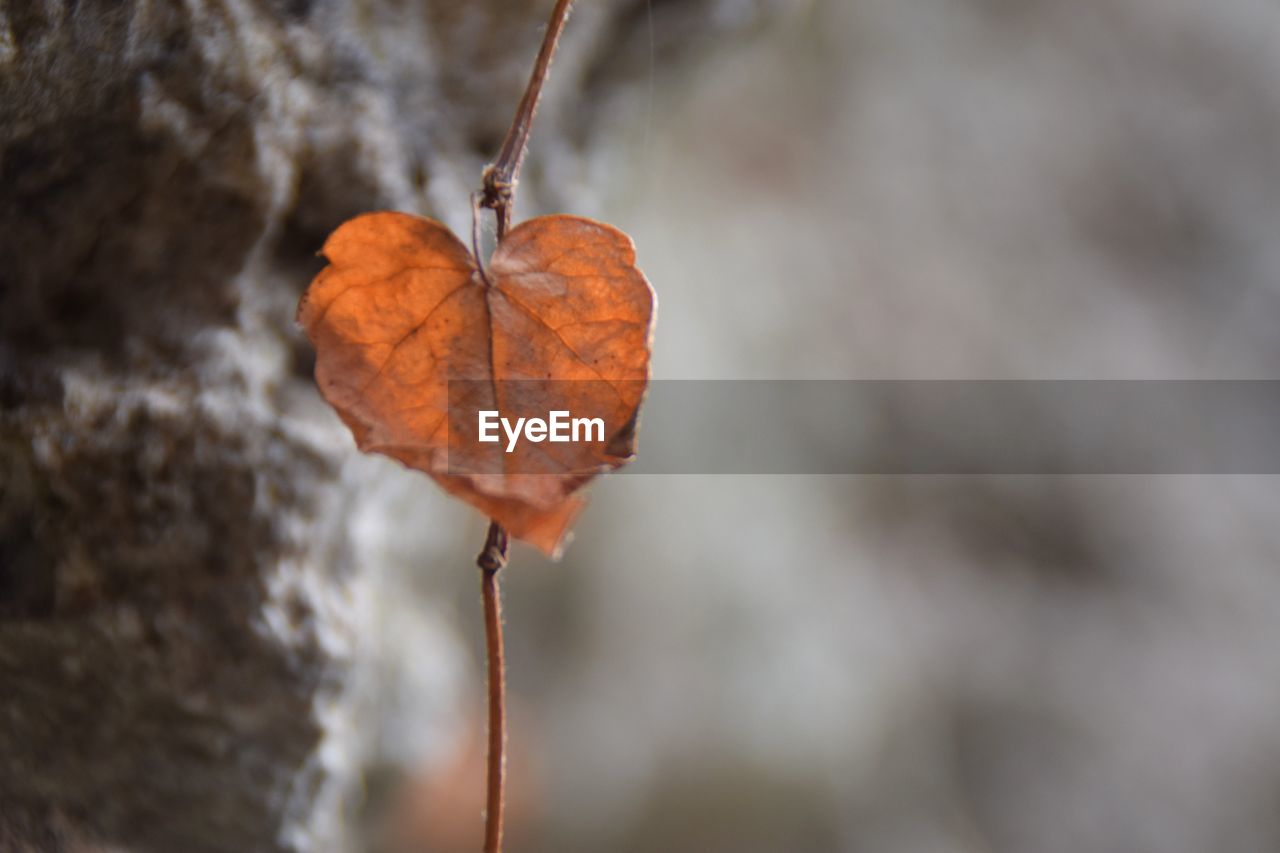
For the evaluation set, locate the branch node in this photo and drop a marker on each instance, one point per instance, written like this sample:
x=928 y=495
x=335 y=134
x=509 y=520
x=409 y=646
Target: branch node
x=493 y=557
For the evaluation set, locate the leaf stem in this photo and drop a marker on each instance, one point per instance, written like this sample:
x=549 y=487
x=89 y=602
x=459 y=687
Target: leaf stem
x=475 y=239
x=502 y=175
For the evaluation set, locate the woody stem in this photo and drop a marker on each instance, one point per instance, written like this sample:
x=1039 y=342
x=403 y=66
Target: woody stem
x=491 y=561
x=499 y=194
x=502 y=175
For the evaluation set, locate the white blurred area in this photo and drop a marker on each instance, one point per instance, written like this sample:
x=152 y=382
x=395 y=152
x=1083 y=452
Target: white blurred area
x=875 y=189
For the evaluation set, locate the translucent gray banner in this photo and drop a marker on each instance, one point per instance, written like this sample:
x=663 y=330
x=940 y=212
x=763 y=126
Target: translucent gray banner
x=926 y=427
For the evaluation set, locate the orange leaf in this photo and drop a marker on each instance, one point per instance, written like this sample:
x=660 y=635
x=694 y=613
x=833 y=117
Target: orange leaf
x=563 y=323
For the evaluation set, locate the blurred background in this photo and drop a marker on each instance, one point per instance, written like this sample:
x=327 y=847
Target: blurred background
x=862 y=189
x=914 y=664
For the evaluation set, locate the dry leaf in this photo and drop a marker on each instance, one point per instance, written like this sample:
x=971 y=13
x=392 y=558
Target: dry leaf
x=402 y=311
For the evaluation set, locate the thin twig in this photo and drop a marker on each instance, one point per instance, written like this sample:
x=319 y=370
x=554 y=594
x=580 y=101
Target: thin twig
x=491 y=561
x=499 y=194
x=502 y=175
x=497 y=769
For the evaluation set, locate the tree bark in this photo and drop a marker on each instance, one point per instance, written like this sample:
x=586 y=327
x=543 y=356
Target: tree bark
x=172 y=553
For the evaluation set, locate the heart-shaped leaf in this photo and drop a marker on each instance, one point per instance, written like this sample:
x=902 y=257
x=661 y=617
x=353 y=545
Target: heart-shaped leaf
x=412 y=340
